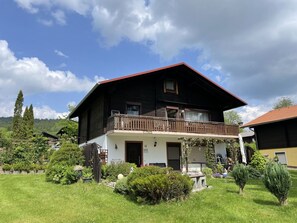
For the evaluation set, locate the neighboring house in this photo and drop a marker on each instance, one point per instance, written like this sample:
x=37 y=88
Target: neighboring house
x=139 y=118
x=276 y=134
x=52 y=140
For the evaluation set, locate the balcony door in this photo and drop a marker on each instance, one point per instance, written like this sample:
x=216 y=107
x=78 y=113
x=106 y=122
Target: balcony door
x=174 y=155
x=134 y=153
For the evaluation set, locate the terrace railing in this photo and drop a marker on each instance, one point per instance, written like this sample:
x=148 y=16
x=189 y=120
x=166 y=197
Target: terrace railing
x=150 y=124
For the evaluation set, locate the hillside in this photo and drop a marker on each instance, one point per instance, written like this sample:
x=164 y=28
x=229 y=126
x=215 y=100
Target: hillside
x=40 y=125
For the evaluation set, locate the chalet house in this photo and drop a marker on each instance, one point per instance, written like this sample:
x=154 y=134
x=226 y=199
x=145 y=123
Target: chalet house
x=276 y=134
x=139 y=118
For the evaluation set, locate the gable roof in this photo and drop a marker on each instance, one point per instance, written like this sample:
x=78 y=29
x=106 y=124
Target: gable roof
x=104 y=83
x=276 y=115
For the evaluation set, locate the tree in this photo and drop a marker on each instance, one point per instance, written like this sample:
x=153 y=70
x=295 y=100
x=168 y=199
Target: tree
x=241 y=175
x=28 y=122
x=232 y=118
x=283 y=102
x=17 y=120
x=278 y=181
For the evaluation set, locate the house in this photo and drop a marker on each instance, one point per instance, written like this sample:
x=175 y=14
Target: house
x=139 y=118
x=276 y=134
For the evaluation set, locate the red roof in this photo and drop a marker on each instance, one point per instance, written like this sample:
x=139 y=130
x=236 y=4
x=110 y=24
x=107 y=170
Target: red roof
x=276 y=115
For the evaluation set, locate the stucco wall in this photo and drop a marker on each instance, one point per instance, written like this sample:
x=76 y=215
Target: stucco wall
x=151 y=153
x=291 y=154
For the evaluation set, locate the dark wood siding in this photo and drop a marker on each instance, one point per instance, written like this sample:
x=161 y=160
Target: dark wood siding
x=277 y=135
x=91 y=120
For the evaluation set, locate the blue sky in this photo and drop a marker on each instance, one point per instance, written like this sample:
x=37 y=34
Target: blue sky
x=55 y=51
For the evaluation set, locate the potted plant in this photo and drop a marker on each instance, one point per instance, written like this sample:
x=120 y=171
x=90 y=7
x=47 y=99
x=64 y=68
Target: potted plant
x=87 y=174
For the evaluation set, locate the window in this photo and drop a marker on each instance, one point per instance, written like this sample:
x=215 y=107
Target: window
x=196 y=116
x=170 y=86
x=172 y=112
x=133 y=109
x=281 y=157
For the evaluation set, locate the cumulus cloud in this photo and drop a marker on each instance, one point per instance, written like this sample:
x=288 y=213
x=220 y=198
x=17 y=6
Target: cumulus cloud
x=33 y=76
x=253 y=43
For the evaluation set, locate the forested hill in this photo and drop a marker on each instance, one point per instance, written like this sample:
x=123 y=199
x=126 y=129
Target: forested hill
x=40 y=125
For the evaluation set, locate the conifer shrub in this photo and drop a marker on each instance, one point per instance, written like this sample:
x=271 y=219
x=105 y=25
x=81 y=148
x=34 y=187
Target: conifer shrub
x=61 y=166
x=241 y=175
x=278 y=181
x=160 y=187
x=253 y=172
x=146 y=171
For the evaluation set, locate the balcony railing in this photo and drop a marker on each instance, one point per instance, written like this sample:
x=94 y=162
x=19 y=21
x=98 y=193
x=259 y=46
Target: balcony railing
x=150 y=124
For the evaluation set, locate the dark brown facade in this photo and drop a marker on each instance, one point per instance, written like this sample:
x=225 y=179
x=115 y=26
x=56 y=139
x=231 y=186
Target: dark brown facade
x=277 y=135
x=174 y=93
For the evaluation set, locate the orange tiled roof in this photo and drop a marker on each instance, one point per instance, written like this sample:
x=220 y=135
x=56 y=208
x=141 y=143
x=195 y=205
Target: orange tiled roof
x=276 y=115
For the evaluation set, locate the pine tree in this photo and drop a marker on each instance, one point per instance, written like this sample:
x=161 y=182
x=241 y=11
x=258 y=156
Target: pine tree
x=17 y=120
x=28 y=122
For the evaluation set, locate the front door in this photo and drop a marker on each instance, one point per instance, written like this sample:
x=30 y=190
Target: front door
x=134 y=153
x=173 y=155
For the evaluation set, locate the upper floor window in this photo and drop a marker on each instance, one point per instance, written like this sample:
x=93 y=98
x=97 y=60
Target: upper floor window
x=133 y=109
x=170 y=86
x=196 y=116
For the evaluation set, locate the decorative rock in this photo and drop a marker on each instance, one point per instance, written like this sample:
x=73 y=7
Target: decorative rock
x=120 y=176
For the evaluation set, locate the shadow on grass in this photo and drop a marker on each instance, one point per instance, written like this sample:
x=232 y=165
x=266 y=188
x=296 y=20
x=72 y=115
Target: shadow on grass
x=232 y=191
x=265 y=202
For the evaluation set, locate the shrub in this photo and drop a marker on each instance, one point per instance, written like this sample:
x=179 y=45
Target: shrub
x=103 y=171
x=7 y=167
x=121 y=186
x=21 y=166
x=87 y=173
x=145 y=172
x=278 y=181
x=240 y=175
x=60 y=168
x=69 y=155
x=207 y=172
x=219 y=168
x=253 y=172
x=258 y=161
x=62 y=174
x=115 y=168
x=69 y=176
x=160 y=187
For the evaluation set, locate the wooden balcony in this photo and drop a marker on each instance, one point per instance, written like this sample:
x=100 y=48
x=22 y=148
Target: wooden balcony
x=150 y=124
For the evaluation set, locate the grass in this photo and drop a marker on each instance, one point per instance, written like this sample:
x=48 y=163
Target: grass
x=28 y=198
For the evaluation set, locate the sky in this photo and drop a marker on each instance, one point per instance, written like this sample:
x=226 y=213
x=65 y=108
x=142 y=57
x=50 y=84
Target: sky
x=56 y=50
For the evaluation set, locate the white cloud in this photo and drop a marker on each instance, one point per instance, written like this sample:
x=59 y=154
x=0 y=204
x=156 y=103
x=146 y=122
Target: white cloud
x=59 y=16
x=60 y=53
x=33 y=76
x=253 y=43
x=45 y=22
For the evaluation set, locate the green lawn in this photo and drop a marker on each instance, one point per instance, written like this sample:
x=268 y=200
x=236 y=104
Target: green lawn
x=28 y=198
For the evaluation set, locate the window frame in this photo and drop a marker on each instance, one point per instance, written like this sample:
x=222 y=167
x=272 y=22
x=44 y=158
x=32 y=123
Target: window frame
x=175 y=86
x=133 y=104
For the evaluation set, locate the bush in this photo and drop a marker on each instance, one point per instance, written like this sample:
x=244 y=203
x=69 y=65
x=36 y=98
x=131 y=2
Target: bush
x=87 y=173
x=160 y=187
x=219 y=168
x=7 y=167
x=121 y=186
x=253 y=172
x=145 y=172
x=241 y=175
x=115 y=168
x=62 y=174
x=278 y=181
x=69 y=155
x=258 y=161
x=60 y=168
x=207 y=172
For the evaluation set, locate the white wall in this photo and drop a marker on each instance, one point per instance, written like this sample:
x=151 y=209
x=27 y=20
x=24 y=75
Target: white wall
x=151 y=154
